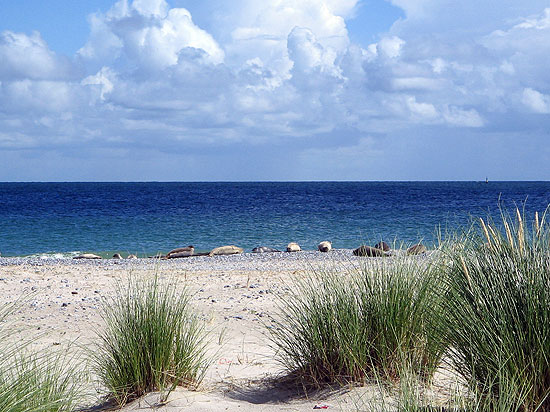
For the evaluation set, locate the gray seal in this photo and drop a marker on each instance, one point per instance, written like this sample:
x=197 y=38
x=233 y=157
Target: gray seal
x=324 y=246
x=226 y=250
x=87 y=256
x=264 y=249
x=181 y=252
x=368 y=251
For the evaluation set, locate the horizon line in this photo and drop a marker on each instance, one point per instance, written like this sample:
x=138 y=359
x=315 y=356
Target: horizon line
x=267 y=181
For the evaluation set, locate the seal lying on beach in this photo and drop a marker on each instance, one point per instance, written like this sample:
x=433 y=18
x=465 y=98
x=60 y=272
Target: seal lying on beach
x=293 y=247
x=383 y=246
x=264 y=249
x=418 y=249
x=226 y=250
x=368 y=251
x=181 y=252
x=87 y=256
x=324 y=246
x=117 y=256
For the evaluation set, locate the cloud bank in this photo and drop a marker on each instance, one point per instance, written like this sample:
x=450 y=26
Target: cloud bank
x=278 y=91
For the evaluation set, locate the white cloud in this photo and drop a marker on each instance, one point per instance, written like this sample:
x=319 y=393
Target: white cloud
x=149 y=34
x=274 y=71
x=536 y=101
x=420 y=110
x=462 y=117
x=536 y=22
x=28 y=56
x=104 y=78
x=390 y=46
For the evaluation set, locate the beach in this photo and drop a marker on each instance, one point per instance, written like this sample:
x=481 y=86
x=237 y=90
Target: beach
x=233 y=295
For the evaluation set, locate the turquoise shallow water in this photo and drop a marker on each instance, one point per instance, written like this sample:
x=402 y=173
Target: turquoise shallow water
x=145 y=218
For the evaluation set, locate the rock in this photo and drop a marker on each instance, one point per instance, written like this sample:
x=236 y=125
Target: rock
x=117 y=256
x=293 y=247
x=181 y=252
x=418 y=249
x=264 y=249
x=226 y=250
x=324 y=246
x=368 y=251
x=87 y=256
x=382 y=246
x=131 y=257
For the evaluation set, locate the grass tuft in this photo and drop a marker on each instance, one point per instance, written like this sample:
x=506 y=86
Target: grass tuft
x=496 y=313
x=151 y=341
x=37 y=381
x=351 y=327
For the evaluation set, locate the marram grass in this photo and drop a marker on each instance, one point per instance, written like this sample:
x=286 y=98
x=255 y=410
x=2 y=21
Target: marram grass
x=40 y=383
x=35 y=381
x=151 y=341
x=496 y=313
x=340 y=326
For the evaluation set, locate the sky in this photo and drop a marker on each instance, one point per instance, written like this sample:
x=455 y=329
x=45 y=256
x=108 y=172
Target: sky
x=277 y=90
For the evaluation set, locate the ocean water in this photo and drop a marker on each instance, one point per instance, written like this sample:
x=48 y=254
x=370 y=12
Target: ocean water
x=146 y=218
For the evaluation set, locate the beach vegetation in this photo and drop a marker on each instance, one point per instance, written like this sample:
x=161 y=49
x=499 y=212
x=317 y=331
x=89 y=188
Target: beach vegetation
x=357 y=325
x=151 y=340
x=496 y=313
x=38 y=380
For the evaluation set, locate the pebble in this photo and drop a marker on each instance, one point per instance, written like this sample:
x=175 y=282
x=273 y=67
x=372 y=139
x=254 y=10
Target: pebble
x=243 y=261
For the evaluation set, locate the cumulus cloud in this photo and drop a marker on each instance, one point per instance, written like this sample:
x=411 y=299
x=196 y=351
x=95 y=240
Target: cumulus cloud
x=536 y=101
x=150 y=34
x=274 y=72
x=29 y=57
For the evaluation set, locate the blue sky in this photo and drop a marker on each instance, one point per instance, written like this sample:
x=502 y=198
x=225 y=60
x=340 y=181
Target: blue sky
x=106 y=90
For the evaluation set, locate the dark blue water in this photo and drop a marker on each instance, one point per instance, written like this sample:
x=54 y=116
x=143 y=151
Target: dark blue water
x=146 y=218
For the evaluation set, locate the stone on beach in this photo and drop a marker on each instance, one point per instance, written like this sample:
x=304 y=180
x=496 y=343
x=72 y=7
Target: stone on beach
x=324 y=246
x=418 y=249
x=264 y=249
x=382 y=246
x=181 y=252
x=87 y=256
x=368 y=251
x=226 y=250
x=293 y=247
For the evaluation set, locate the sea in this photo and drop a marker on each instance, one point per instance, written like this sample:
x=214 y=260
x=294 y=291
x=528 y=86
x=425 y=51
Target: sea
x=66 y=219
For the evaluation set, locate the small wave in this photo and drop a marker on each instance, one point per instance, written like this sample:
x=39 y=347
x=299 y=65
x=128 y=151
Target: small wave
x=55 y=255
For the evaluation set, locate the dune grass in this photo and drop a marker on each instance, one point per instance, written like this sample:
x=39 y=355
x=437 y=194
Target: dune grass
x=151 y=341
x=496 y=313
x=40 y=382
x=355 y=326
x=35 y=381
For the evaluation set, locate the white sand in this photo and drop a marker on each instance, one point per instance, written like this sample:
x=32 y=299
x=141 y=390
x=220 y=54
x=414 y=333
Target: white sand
x=233 y=294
